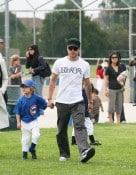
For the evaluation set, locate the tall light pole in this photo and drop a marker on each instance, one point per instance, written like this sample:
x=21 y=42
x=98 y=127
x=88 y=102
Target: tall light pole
x=80 y=25
x=7 y=31
x=34 y=22
x=131 y=70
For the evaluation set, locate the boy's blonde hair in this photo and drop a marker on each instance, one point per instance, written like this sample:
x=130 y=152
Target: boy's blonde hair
x=14 y=58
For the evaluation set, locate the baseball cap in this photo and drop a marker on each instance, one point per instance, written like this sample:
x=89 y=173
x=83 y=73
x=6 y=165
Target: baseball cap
x=1 y=40
x=73 y=42
x=28 y=83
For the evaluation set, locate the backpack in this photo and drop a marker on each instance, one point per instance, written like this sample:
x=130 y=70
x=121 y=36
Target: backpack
x=46 y=70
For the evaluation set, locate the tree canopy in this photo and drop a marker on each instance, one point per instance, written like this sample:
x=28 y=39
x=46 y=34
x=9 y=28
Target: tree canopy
x=59 y=26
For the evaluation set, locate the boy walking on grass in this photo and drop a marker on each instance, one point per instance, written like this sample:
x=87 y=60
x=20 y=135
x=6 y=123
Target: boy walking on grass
x=27 y=111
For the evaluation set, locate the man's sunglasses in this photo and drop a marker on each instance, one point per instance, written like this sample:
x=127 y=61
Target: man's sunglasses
x=73 y=48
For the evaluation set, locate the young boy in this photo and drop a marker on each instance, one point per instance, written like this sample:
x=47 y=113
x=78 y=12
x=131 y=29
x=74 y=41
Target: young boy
x=27 y=111
x=97 y=105
x=88 y=123
x=15 y=71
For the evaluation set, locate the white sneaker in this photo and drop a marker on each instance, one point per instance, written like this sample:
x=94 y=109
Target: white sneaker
x=124 y=122
x=63 y=159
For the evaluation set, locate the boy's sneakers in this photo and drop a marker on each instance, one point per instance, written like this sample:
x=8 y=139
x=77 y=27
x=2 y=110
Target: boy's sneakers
x=87 y=154
x=73 y=141
x=33 y=152
x=24 y=156
x=96 y=143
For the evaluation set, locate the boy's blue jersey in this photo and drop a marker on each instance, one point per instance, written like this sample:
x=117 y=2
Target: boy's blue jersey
x=28 y=108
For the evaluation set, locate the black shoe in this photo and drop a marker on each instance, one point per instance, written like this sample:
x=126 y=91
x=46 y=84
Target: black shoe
x=33 y=152
x=24 y=156
x=87 y=154
x=134 y=104
x=73 y=141
x=96 y=143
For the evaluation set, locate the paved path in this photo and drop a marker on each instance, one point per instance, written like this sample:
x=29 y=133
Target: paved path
x=49 y=119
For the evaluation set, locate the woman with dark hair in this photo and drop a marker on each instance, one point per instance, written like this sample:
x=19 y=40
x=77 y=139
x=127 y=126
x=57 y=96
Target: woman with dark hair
x=113 y=89
x=33 y=62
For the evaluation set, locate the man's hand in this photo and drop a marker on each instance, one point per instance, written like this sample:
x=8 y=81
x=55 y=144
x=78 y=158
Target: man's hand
x=51 y=104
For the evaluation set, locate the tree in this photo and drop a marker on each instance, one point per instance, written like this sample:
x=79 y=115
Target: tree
x=116 y=23
x=20 y=36
x=59 y=26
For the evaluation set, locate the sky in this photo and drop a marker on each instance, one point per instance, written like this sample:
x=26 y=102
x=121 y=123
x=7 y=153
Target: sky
x=25 y=5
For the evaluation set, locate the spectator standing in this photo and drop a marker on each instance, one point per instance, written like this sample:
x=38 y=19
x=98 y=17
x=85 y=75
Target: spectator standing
x=122 y=117
x=4 y=119
x=113 y=89
x=33 y=60
x=1 y=47
x=100 y=77
x=133 y=63
x=15 y=71
x=72 y=71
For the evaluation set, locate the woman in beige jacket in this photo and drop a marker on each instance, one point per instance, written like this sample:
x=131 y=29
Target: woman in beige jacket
x=4 y=119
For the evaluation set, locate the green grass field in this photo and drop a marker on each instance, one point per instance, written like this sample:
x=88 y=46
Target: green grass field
x=116 y=156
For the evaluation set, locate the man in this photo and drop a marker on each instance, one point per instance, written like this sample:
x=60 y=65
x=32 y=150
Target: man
x=1 y=46
x=72 y=71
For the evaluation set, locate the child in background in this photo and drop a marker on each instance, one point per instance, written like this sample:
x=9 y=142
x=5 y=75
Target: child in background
x=27 y=113
x=88 y=123
x=15 y=71
x=100 y=76
x=97 y=105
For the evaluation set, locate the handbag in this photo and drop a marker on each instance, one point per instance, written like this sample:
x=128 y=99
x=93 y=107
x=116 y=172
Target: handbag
x=46 y=71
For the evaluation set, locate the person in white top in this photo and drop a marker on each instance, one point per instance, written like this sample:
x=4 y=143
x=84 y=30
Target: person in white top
x=1 y=47
x=4 y=119
x=72 y=72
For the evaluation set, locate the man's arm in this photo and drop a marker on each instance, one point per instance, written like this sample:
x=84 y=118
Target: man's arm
x=52 y=85
x=88 y=90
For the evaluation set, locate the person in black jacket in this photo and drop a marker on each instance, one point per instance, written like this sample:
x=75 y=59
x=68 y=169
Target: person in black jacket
x=133 y=63
x=35 y=63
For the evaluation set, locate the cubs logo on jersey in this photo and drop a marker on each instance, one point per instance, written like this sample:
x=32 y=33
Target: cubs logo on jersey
x=33 y=109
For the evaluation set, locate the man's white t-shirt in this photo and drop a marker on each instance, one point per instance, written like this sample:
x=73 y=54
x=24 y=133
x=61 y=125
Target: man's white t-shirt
x=71 y=74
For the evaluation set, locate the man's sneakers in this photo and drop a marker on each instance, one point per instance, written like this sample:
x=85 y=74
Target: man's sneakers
x=87 y=154
x=33 y=153
x=63 y=159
